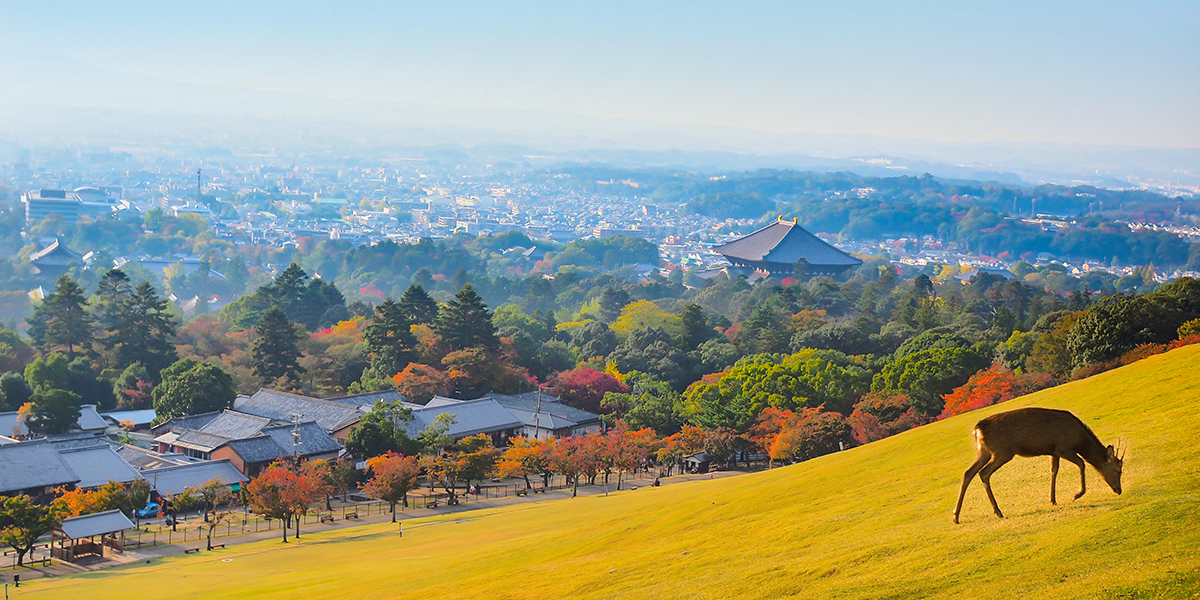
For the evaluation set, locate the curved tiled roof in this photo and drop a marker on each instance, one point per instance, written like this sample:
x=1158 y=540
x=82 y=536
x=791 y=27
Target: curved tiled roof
x=785 y=242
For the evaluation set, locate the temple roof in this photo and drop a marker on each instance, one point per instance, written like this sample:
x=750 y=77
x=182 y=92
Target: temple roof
x=55 y=253
x=785 y=242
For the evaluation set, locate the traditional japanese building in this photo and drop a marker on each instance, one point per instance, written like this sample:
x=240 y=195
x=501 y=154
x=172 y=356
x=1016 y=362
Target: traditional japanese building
x=54 y=260
x=783 y=249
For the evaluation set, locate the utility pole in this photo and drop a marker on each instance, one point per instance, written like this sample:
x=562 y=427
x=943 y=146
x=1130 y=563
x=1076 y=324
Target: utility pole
x=296 y=443
x=199 y=196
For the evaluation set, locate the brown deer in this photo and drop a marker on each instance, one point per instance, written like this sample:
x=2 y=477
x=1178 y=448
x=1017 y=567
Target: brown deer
x=1039 y=432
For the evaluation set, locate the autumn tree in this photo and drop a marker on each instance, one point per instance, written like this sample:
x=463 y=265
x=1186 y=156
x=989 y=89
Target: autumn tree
x=273 y=494
x=184 y=501
x=393 y=476
x=217 y=503
x=524 y=457
x=419 y=382
x=585 y=388
x=880 y=414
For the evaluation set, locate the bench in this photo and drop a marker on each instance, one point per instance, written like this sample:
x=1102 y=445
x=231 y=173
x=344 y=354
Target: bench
x=190 y=550
x=431 y=504
x=352 y=515
x=522 y=493
x=215 y=546
x=327 y=519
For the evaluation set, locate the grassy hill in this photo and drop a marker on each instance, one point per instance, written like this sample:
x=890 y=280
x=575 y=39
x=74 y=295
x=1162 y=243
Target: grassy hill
x=871 y=522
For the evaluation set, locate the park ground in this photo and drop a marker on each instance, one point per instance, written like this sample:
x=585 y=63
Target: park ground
x=871 y=522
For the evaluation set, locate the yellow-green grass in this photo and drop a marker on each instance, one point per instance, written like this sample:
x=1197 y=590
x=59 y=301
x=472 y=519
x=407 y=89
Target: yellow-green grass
x=871 y=522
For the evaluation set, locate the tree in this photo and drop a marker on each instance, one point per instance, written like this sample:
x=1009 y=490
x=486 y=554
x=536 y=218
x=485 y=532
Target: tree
x=276 y=350
x=925 y=376
x=276 y=493
x=381 y=431
x=585 y=388
x=879 y=415
x=14 y=393
x=144 y=332
x=54 y=410
x=466 y=322
x=190 y=387
x=419 y=382
x=24 y=522
x=343 y=476
x=62 y=320
x=393 y=476
x=417 y=306
x=182 y=502
x=390 y=344
x=523 y=457
x=595 y=339
x=15 y=354
x=612 y=300
x=111 y=294
x=566 y=458
x=133 y=388
x=696 y=330
x=808 y=433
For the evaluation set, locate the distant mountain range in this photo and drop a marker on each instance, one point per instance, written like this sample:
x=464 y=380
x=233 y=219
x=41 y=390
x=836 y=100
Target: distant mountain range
x=53 y=100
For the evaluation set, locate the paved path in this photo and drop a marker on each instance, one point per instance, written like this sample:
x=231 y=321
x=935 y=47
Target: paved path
x=149 y=553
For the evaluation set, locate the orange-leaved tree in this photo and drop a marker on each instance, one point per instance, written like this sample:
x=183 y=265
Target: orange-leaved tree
x=524 y=457
x=393 y=476
x=990 y=386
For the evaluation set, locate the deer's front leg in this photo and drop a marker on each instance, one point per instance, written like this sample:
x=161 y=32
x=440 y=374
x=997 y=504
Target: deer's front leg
x=1053 y=477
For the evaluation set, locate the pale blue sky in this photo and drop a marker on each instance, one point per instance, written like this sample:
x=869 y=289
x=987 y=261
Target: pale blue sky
x=1074 y=72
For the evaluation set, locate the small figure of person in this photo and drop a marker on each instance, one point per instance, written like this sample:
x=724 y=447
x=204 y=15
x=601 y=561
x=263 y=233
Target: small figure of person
x=656 y=482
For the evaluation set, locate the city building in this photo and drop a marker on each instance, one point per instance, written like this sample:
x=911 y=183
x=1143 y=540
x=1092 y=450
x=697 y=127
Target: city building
x=783 y=249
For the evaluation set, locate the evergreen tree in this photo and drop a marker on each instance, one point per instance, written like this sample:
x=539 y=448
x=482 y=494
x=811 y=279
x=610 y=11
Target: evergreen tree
x=112 y=291
x=695 y=330
x=466 y=322
x=417 y=306
x=191 y=387
x=390 y=342
x=612 y=300
x=276 y=351
x=54 y=410
x=62 y=320
x=14 y=392
x=144 y=332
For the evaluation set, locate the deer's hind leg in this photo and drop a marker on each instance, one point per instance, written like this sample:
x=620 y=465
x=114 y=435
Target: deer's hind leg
x=985 y=475
x=980 y=460
x=1082 y=473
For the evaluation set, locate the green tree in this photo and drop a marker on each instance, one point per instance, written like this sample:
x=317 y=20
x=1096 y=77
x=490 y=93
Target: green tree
x=191 y=387
x=417 y=306
x=62 y=319
x=54 y=410
x=111 y=294
x=24 y=522
x=612 y=300
x=927 y=375
x=381 y=431
x=466 y=322
x=276 y=350
x=144 y=332
x=14 y=392
x=389 y=340
x=696 y=330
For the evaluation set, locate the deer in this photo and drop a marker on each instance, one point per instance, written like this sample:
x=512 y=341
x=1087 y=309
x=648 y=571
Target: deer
x=1039 y=432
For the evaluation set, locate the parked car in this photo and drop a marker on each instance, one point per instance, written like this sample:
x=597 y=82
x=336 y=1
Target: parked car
x=152 y=509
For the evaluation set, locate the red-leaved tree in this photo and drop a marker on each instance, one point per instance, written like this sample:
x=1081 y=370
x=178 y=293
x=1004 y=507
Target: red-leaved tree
x=393 y=476
x=989 y=386
x=584 y=388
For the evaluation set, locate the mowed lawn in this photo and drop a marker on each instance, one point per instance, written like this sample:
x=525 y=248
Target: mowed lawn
x=871 y=522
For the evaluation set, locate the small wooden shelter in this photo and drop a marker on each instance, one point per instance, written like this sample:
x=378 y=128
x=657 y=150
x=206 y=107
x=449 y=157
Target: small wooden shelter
x=77 y=537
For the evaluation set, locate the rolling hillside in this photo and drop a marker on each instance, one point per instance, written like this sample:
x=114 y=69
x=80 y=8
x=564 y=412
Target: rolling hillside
x=872 y=522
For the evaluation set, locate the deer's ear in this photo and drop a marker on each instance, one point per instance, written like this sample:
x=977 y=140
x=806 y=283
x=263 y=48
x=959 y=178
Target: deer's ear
x=1111 y=453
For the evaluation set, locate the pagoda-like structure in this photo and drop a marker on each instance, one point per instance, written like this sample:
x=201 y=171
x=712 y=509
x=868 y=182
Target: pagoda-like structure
x=54 y=260
x=783 y=249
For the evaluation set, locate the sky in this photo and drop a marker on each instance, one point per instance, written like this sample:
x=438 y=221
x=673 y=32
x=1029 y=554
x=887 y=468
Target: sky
x=1096 y=72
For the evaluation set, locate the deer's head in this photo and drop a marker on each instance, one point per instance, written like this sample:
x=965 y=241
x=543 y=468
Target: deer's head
x=1111 y=469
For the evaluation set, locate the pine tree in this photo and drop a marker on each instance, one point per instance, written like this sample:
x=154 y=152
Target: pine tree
x=276 y=351
x=62 y=320
x=612 y=300
x=417 y=306
x=466 y=322
x=144 y=332
x=389 y=339
x=695 y=330
x=114 y=289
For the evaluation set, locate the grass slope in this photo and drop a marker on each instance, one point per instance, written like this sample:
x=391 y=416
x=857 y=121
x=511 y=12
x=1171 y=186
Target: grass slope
x=870 y=522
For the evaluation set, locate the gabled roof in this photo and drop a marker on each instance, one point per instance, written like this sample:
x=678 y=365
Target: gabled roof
x=95 y=524
x=369 y=399
x=785 y=242
x=56 y=253
x=330 y=415
x=549 y=405
x=442 y=401
x=277 y=442
x=89 y=420
x=30 y=465
x=470 y=417
x=185 y=422
x=236 y=425
x=98 y=465
x=169 y=481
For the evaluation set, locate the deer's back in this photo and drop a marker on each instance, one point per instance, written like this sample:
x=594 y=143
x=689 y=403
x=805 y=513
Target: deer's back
x=1032 y=432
